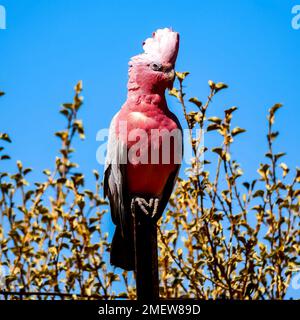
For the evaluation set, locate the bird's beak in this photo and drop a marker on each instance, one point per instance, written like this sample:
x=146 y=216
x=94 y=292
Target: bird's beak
x=171 y=78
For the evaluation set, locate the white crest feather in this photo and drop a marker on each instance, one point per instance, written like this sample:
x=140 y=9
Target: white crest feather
x=162 y=47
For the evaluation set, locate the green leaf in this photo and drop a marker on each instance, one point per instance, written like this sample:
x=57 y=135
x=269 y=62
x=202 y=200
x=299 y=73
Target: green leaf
x=68 y=105
x=273 y=135
x=230 y=110
x=5 y=137
x=246 y=185
x=285 y=169
x=257 y=208
x=5 y=157
x=296 y=193
x=195 y=101
x=47 y=172
x=279 y=155
x=78 y=125
x=297 y=178
x=174 y=92
x=78 y=87
x=65 y=112
x=26 y=171
x=213 y=127
x=96 y=174
x=268 y=155
x=198 y=117
x=181 y=75
x=219 y=151
x=19 y=165
x=220 y=86
x=211 y=84
x=63 y=135
x=179 y=253
x=272 y=112
x=237 y=131
x=275 y=108
x=215 y=120
x=258 y=193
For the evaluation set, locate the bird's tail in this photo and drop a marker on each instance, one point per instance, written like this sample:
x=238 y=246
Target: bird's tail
x=122 y=251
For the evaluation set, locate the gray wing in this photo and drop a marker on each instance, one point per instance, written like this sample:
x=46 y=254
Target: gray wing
x=114 y=177
x=173 y=176
x=167 y=191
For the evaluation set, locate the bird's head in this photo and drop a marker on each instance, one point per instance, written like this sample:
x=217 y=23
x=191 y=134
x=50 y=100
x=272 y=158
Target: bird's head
x=153 y=70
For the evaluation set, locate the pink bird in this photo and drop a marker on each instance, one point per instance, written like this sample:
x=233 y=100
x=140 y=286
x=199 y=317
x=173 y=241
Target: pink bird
x=130 y=170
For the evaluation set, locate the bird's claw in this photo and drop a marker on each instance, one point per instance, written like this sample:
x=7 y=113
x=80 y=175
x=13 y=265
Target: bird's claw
x=149 y=208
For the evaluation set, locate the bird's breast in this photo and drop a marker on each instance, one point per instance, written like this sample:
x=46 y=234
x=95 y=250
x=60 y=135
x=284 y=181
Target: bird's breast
x=148 y=179
x=153 y=141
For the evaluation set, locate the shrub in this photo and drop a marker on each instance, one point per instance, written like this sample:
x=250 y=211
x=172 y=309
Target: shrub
x=219 y=238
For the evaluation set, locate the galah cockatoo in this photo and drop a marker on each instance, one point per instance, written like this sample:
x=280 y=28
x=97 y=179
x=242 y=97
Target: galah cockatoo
x=130 y=171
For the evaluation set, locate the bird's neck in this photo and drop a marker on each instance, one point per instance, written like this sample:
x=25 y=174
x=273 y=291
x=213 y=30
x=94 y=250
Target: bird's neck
x=147 y=88
x=141 y=83
x=143 y=91
x=141 y=99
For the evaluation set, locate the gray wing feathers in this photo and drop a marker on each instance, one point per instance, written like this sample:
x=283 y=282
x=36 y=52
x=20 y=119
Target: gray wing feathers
x=173 y=176
x=114 y=176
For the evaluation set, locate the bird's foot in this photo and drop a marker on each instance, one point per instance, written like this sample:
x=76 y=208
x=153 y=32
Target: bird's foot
x=148 y=208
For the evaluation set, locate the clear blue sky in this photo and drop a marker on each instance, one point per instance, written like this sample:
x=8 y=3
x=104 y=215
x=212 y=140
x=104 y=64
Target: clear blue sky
x=49 y=45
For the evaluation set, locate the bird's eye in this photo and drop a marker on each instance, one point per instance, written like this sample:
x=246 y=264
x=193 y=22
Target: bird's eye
x=156 y=66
